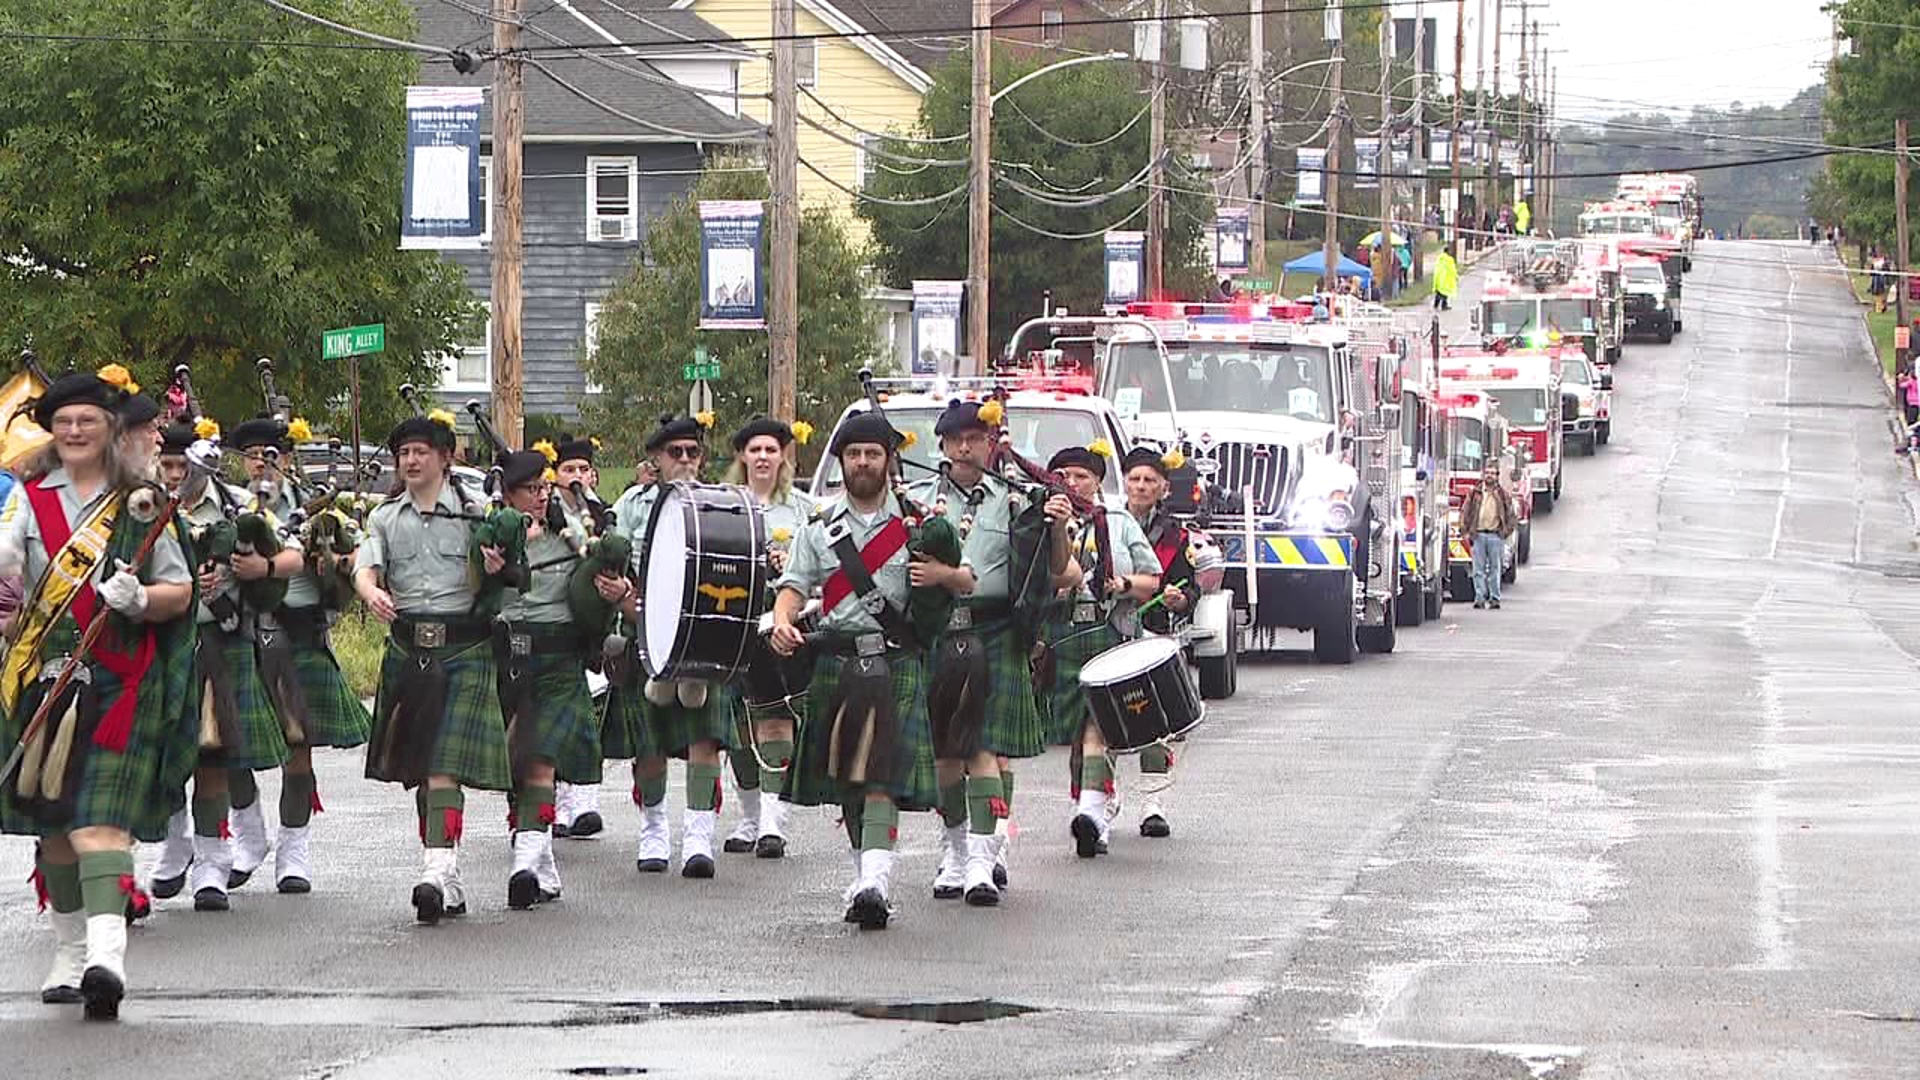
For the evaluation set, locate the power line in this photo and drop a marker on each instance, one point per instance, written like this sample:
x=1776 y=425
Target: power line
x=1050 y=234
x=694 y=136
x=462 y=61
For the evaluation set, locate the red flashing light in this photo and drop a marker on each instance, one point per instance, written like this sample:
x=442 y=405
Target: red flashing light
x=1291 y=312
x=1453 y=373
x=1506 y=373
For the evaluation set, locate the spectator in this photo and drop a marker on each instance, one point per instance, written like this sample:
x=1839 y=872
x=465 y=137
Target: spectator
x=1446 y=279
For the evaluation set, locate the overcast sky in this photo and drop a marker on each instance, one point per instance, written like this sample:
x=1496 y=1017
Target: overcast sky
x=1626 y=55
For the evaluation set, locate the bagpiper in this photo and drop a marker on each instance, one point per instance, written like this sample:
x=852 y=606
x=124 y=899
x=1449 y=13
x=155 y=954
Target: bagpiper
x=109 y=757
x=437 y=726
x=577 y=806
x=1147 y=472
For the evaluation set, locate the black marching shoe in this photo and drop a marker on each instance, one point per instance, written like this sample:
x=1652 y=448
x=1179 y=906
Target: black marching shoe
x=699 y=866
x=770 y=847
x=983 y=896
x=293 y=885
x=999 y=877
x=429 y=904
x=237 y=878
x=60 y=995
x=1494 y=604
x=650 y=866
x=102 y=990
x=1155 y=826
x=166 y=888
x=737 y=845
x=868 y=910
x=1086 y=837
x=561 y=832
x=210 y=899
x=523 y=890
x=587 y=824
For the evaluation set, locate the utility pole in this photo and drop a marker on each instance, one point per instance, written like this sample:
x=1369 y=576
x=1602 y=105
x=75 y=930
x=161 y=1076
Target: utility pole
x=509 y=138
x=1155 y=253
x=783 y=307
x=1900 y=235
x=980 y=186
x=1459 y=91
x=1416 y=159
x=1257 y=138
x=1493 y=165
x=1383 y=168
x=1330 y=245
x=1521 y=135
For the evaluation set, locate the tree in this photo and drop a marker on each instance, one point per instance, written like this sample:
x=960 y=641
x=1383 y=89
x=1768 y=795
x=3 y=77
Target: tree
x=1051 y=180
x=1875 y=84
x=211 y=203
x=649 y=323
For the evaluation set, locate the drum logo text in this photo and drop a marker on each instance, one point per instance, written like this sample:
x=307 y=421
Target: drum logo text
x=1135 y=702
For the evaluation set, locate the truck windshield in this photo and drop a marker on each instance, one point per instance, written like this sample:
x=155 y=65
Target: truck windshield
x=1468 y=436
x=1575 y=373
x=1643 y=274
x=1509 y=316
x=1616 y=224
x=1567 y=316
x=1525 y=406
x=1037 y=434
x=1293 y=380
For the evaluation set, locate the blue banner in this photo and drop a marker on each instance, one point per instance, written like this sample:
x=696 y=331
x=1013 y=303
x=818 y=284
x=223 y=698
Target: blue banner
x=1230 y=236
x=731 y=296
x=440 y=200
x=936 y=327
x=1126 y=261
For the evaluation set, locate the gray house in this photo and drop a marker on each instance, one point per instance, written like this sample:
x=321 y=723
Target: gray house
x=593 y=180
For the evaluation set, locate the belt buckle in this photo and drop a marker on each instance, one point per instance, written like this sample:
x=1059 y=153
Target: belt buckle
x=50 y=671
x=960 y=619
x=1086 y=611
x=873 y=603
x=520 y=645
x=865 y=645
x=429 y=635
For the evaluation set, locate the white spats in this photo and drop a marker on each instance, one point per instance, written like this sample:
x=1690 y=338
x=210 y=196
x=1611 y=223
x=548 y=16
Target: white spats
x=69 y=951
x=293 y=859
x=249 y=827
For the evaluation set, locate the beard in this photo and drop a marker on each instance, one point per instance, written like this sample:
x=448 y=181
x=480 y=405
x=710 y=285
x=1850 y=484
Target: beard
x=866 y=484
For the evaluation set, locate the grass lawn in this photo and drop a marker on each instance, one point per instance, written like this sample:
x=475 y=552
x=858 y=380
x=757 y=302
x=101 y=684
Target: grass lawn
x=358 y=642
x=1880 y=324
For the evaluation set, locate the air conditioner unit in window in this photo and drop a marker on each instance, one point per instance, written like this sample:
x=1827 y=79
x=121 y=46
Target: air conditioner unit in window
x=1200 y=159
x=610 y=228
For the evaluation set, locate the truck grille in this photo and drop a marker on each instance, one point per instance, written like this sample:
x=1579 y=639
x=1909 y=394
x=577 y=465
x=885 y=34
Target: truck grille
x=1639 y=302
x=1262 y=465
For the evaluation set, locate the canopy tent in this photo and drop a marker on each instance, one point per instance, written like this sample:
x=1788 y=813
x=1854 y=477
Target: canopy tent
x=1373 y=238
x=1315 y=262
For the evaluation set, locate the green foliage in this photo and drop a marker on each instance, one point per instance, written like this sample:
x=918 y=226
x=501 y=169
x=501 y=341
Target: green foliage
x=210 y=204
x=1872 y=88
x=1084 y=104
x=649 y=325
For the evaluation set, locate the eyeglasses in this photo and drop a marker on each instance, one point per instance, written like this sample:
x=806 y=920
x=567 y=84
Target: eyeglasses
x=683 y=453
x=78 y=423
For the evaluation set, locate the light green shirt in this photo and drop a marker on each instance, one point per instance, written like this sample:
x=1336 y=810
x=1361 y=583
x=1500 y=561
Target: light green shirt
x=788 y=514
x=986 y=544
x=208 y=509
x=166 y=564
x=632 y=512
x=812 y=562
x=1132 y=554
x=302 y=590
x=545 y=600
x=425 y=559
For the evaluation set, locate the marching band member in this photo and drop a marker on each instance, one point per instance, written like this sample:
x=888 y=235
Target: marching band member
x=140 y=426
x=577 y=806
x=169 y=875
x=437 y=726
x=316 y=707
x=1146 y=475
x=763 y=464
x=866 y=742
x=239 y=732
x=109 y=763
x=980 y=687
x=679 y=718
x=1095 y=624
x=552 y=730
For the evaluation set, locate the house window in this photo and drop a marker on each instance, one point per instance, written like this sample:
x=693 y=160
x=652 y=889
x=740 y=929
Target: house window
x=486 y=198
x=866 y=163
x=613 y=199
x=1053 y=29
x=470 y=366
x=806 y=61
x=592 y=341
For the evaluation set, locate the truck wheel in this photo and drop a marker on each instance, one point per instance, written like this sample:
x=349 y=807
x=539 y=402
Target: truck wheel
x=1381 y=639
x=1613 y=354
x=1510 y=571
x=1678 y=325
x=1525 y=551
x=1543 y=501
x=1333 y=637
x=1410 y=607
x=1605 y=432
x=1459 y=586
x=1220 y=675
x=1558 y=479
x=1666 y=333
x=1436 y=600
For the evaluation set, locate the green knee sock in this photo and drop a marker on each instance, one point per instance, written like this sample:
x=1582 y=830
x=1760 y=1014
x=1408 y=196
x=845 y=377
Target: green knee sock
x=703 y=787
x=298 y=795
x=985 y=803
x=533 y=808
x=778 y=754
x=1006 y=789
x=62 y=883
x=241 y=788
x=879 y=826
x=210 y=815
x=1156 y=759
x=746 y=771
x=649 y=791
x=1096 y=773
x=445 y=819
x=953 y=804
x=853 y=813
x=105 y=877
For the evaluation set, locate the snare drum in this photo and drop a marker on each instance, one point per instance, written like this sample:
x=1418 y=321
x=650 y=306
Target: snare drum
x=706 y=582
x=1140 y=693
x=776 y=683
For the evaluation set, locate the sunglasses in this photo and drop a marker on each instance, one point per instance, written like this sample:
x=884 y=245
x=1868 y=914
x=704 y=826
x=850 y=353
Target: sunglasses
x=683 y=453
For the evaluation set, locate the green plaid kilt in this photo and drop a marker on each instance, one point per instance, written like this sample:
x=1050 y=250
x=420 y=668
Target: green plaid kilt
x=335 y=716
x=914 y=786
x=624 y=735
x=257 y=741
x=565 y=725
x=1065 y=705
x=470 y=738
x=1014 y=727
x=637 y=728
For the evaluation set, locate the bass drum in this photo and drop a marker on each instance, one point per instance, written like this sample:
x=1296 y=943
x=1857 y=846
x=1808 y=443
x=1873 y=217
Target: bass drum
x=706 y=580
x=1140 y=694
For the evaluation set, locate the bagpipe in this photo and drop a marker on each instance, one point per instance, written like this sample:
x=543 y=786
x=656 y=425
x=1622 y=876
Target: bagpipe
x=240 y=531
x=501 y=527
x=929 y=536
x=601 y=551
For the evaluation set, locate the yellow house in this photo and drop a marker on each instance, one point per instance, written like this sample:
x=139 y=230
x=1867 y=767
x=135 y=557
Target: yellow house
x=852 y=87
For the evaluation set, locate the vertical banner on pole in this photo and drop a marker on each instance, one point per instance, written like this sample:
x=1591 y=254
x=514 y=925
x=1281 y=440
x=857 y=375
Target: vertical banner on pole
x=1366 y=163
x=732 y=296
x=1310 y=187
x=936 y=326
x=1442 y=143
x=1126 y=259
x=440 y=198
x=1231 y=231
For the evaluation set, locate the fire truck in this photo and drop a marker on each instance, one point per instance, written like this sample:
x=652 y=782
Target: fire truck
x=1600 y=258
x=1476 y=431
x=1674 y=198
x=1590 y=425
x=1652 y=299
x=1526 y=384
x=1426 y=454
x=1638 y=230
x=1542 y=294
x=1291 y=427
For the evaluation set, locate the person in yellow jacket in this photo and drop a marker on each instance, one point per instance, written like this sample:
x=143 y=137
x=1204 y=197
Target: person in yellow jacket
x=1446 y=279
x=1522 y=216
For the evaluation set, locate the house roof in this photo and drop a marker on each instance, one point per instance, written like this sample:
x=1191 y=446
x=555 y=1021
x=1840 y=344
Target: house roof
x=894 y=18
x=674 y=113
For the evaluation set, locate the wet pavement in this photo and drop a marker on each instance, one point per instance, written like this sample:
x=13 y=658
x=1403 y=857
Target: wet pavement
x=1656 y=817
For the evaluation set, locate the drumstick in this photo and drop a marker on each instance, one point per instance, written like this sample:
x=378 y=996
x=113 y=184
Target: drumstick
x=1160 y=597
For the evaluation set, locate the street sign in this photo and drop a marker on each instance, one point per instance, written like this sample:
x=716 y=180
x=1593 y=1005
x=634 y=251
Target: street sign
x=1253 y=284
x=700 y=398
x=701 y=368
x=353 y=341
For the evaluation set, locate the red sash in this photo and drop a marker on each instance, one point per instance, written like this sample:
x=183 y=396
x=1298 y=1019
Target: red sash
x=129 y=667
x=885 y=545
x=1173 y=540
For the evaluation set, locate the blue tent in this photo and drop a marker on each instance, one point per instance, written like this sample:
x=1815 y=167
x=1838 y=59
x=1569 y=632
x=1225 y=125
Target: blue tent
x=1315 y=263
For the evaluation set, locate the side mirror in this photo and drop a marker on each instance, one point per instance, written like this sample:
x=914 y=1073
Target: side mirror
x=1421 y=474
x=1473 y=319
x=1569 y=404
x=1606 y=380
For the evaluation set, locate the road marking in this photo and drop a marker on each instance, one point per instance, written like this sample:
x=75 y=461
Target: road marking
x=1769 y=917
x=1786 y=434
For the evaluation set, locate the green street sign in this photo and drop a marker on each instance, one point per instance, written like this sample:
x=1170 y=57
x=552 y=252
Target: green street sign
x=353 y=341
x=1253 y=284
x=696 y=372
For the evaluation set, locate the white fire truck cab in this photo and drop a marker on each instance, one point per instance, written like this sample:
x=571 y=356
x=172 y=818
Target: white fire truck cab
x=1674 y=199
x=1542 y=293
x=1527 y=386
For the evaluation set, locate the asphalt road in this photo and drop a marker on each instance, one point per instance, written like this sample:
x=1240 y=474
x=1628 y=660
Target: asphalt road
x=1656 y=817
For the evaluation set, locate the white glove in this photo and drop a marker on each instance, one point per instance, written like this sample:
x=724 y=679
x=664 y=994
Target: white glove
x=123 y=592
